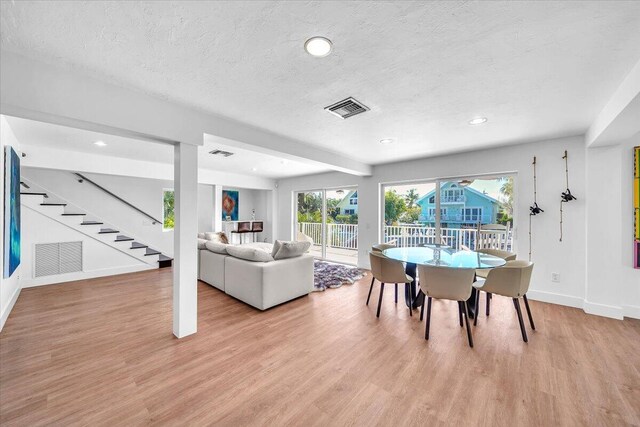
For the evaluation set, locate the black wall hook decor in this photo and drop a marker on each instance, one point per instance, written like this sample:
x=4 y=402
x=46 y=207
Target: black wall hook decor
x=566 y=196
x=534 y=209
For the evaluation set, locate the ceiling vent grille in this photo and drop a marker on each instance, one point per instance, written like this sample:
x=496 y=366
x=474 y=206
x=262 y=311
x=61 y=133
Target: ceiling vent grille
x=221 y=153
x=347 y=108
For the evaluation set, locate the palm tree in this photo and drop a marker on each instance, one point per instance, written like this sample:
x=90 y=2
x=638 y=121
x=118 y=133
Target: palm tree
x=507 y=191
x=411 y=197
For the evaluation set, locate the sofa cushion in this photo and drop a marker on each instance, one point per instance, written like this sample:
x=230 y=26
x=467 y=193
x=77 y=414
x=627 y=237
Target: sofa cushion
x=282 y=249
x=218 y=237
x=250 y=253
x=219 y=248
x=201 y=243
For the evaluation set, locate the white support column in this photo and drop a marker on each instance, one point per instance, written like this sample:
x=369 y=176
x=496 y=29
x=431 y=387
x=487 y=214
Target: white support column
x=217 y=208
x=185 y=274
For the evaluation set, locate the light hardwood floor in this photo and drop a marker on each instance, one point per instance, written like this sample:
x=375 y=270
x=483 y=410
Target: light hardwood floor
x=101 y=352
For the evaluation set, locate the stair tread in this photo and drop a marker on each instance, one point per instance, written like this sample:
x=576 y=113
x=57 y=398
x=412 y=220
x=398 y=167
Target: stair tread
x=164 y=258
x=91 y=223
x=123 y=238
x=53 y=204
x=152 y=252
x=136 y=245
x=107 y=231
x=32 y=193
x=73 y=214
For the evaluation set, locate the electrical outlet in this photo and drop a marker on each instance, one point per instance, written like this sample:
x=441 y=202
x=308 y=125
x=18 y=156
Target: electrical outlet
x=555 y=277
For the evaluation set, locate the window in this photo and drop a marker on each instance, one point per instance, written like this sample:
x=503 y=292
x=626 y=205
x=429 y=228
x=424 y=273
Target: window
x=349 y=211
x=410 y=210
x=432 y=213
x=354 y=199
x=472 y=214
x=168 y=216
x=452 y=195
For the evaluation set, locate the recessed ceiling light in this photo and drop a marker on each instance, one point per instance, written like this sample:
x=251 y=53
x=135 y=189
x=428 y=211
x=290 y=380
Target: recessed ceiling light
x=478 y=121
x=318 y=46
x=254 y=169
x=100 y=143
x=386 y=141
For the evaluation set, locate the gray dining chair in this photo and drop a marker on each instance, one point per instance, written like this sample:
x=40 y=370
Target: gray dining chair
x=386 y=270
x=482 y=273
x=512 y=280
x=446 y=283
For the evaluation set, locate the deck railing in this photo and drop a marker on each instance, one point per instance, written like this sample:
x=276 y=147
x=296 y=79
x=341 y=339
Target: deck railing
x=345 y=236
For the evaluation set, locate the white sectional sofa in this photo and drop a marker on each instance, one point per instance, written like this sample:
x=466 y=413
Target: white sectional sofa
x=261 y=284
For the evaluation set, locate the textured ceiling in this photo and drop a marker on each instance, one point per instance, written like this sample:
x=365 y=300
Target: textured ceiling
x=535 y=69
x=33 y=135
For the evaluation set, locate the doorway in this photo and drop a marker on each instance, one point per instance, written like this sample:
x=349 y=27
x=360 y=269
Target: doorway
x=329 y=219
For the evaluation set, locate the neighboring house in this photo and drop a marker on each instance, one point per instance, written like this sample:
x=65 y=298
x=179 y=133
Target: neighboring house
x=349 y=204
x=459 y=206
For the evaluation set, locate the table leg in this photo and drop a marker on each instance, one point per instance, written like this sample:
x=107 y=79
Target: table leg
x=411 y=292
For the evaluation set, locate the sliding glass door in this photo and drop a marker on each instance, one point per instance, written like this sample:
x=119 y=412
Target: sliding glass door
x=458 y=212
x=329 y=219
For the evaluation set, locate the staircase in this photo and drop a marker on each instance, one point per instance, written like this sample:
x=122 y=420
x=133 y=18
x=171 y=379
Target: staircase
x=54 y=207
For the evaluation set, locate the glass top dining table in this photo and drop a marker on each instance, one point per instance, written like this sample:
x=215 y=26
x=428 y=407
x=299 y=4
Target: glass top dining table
x=444 y=257
x=440 y=256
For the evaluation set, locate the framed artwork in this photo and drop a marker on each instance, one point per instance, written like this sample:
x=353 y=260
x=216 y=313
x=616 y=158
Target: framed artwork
x=230 y=205
x=636 y=207
x=11 y=244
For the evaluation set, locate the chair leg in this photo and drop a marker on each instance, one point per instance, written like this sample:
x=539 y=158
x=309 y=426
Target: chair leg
x=396 y=293
x=426 y=329
x=380 y=299
x=422 y=309
x=373 y=279
x=516 y=303
x=460 y=312
x=466 y=321
x=526 y=305
x=475 y=320
x=488 y=304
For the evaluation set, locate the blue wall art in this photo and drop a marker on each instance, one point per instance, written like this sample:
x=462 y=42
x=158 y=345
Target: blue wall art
x=230 y=205
x=11 y=212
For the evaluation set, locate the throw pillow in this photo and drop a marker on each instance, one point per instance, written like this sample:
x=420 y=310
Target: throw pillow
x=201 y=243
x=219 y=248
x=291 y=249
x=249 y=254
x=276 y=247
x=218 y=237
x=200 y=235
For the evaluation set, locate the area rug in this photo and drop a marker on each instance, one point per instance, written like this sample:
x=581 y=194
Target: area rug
x=329 y=275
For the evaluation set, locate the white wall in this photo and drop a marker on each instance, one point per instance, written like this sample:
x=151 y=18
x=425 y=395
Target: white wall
x=613 y=285
x=98 y=259
x=549 y=254
x=259 y=200
x=9 y=287
x=143 y=193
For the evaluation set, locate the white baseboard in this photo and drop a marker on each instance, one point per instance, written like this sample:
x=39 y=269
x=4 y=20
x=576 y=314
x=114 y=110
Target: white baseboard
x=7 y=310
x=554 y=298
x=615 y=312
x=632 y=311
x=71 y=277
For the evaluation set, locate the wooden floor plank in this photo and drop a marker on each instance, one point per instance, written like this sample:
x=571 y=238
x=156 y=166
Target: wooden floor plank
x=101 y=352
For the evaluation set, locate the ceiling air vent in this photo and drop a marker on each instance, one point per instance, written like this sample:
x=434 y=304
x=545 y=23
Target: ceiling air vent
x=347 y=108
x=221 y=153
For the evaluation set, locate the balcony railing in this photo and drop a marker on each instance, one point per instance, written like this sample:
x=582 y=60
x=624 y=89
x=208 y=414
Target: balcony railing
x=452 y=199
x=345 y=236
x=470 y=219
